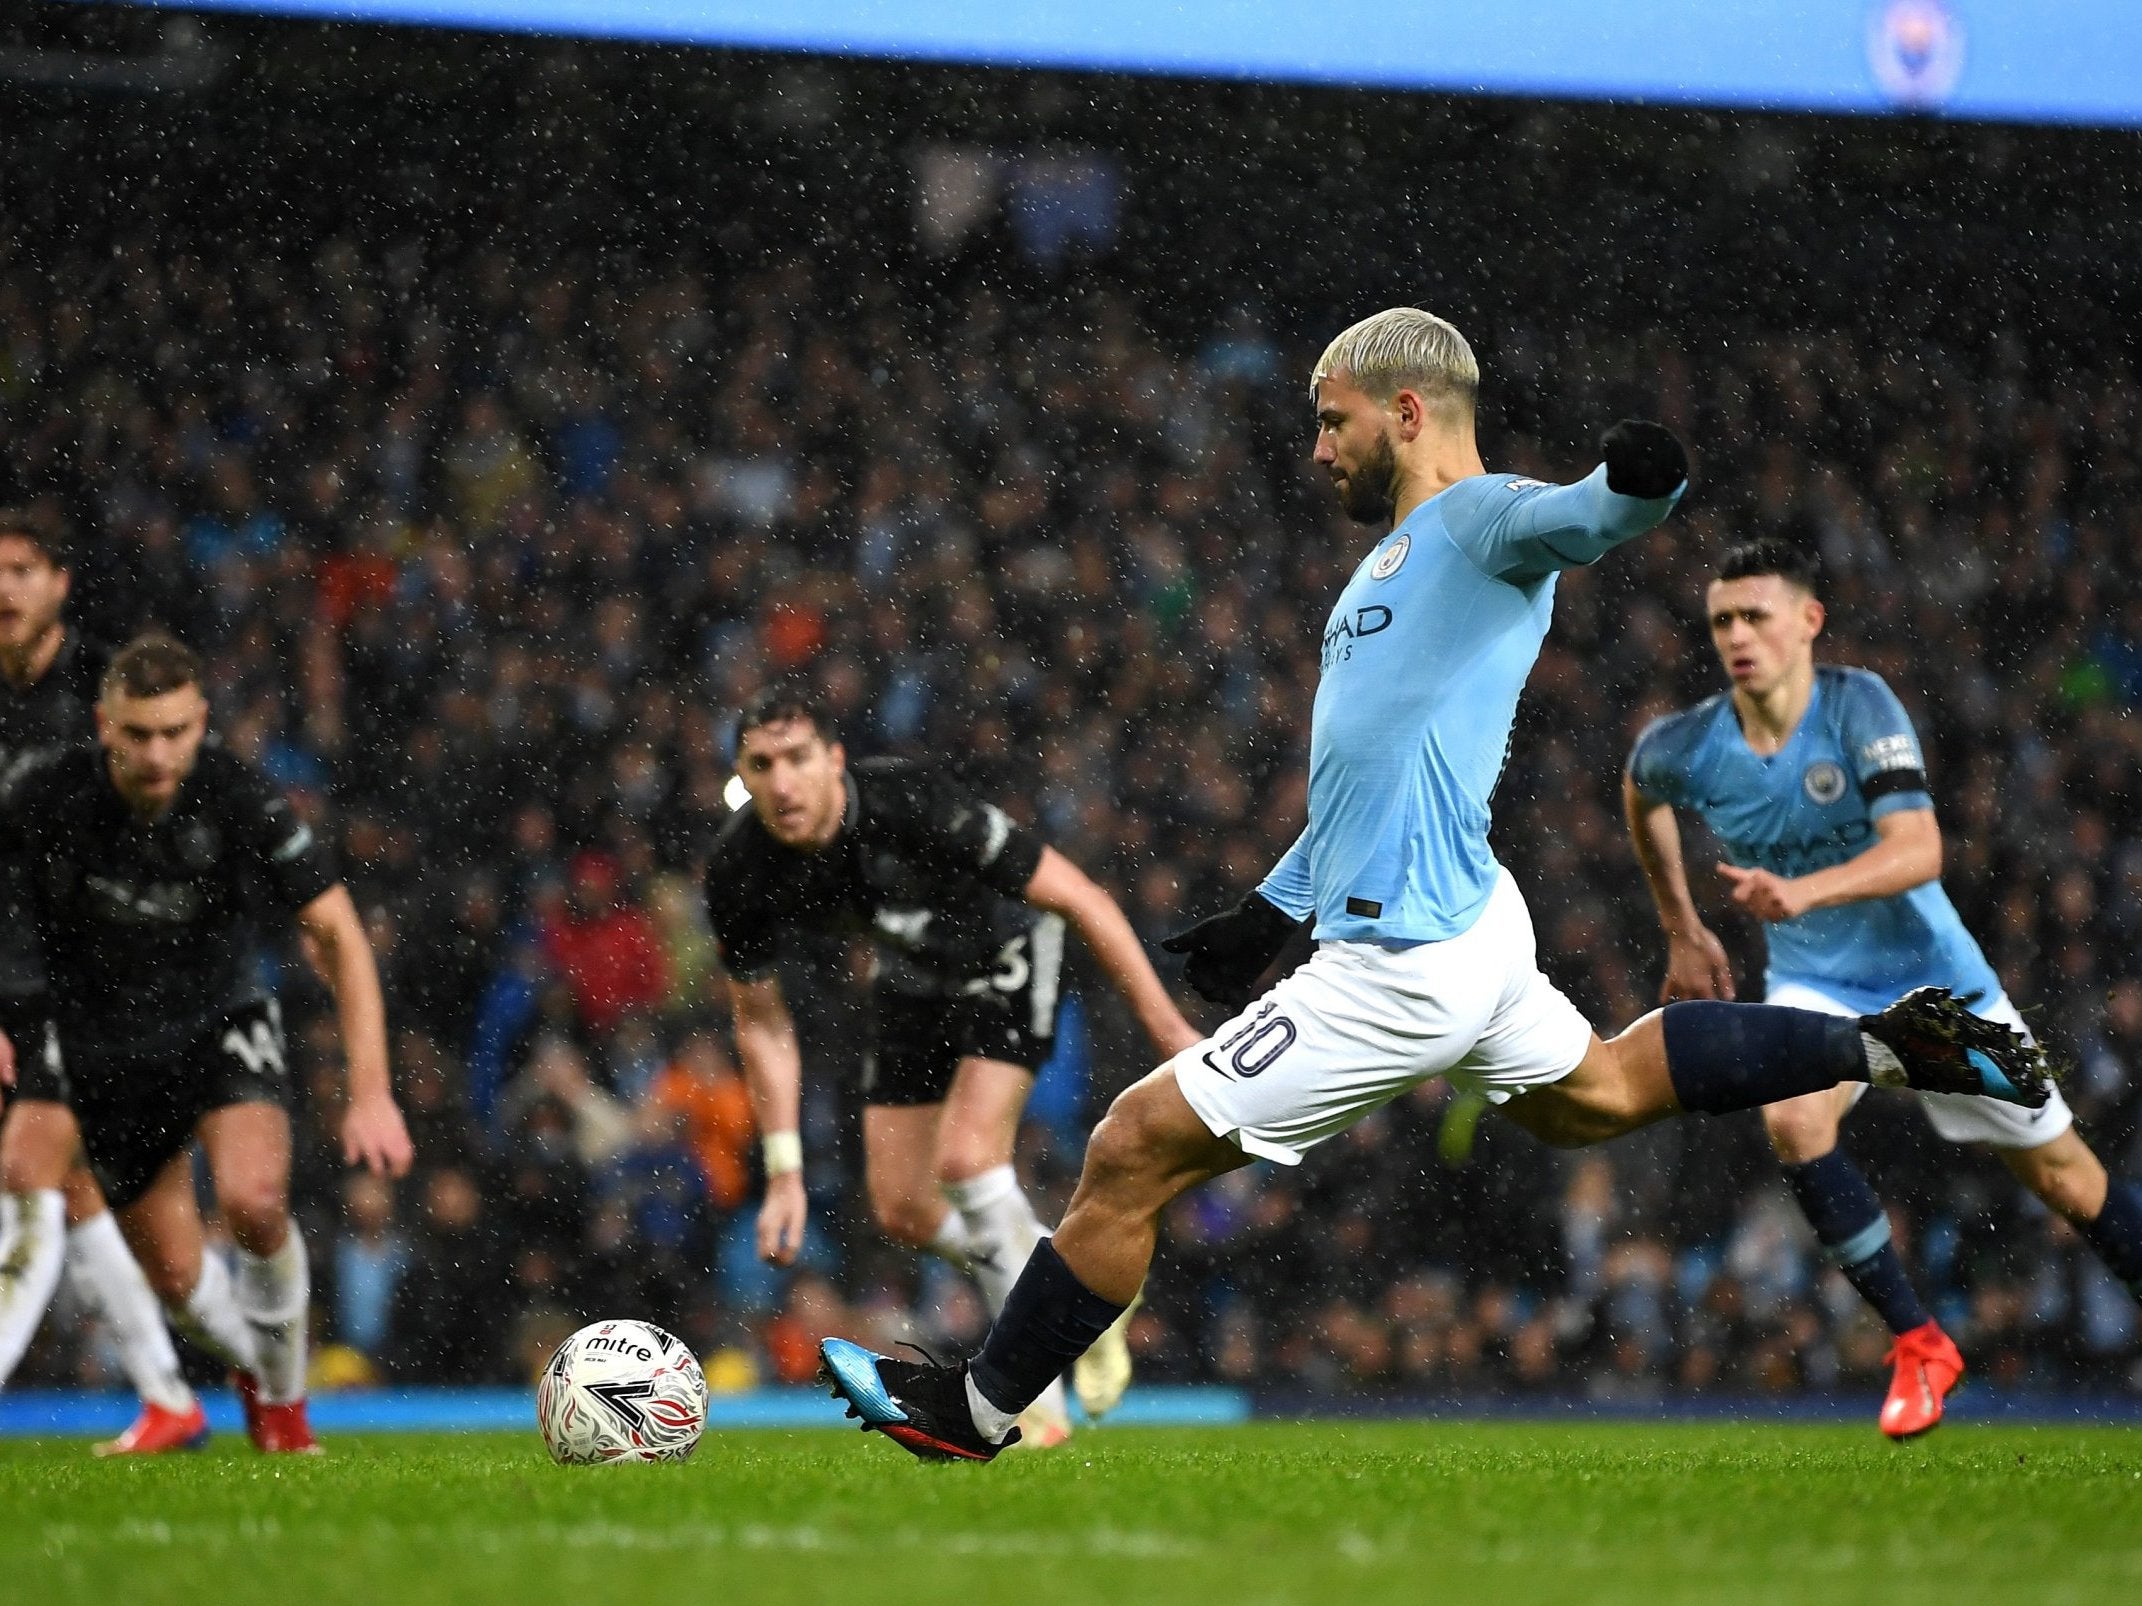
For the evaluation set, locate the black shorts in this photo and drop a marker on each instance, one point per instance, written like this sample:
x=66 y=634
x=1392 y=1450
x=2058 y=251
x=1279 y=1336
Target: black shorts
x=137 y=1114
x=38 y=1071
x=916 y=1044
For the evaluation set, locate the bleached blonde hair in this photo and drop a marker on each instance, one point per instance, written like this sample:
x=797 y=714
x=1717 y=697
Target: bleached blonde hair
x=1404 y=348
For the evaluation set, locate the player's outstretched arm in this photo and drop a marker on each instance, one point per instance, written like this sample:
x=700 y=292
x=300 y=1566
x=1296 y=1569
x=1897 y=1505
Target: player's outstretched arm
x=373 y=1133
x=773 y=1073
x=1906 y=853
x=1061 y=886
x=1522 y=530
x=1696 y=962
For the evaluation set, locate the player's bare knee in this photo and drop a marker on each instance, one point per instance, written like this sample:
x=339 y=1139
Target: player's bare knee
x=1799 y=1134
x=2067 y=1176
x=962 y=1155
x=1136 y=1148
x=258 y=1215
x=906 y=1219
x=35 y=1155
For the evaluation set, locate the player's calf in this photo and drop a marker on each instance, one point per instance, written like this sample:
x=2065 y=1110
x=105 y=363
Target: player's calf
x=38 y=1144
x=1804 y=1129
x=1149 y=1148
x=2106 y=1210
x=1716 y=1058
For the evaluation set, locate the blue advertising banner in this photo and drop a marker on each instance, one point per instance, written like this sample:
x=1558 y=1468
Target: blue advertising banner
x=2075 y=61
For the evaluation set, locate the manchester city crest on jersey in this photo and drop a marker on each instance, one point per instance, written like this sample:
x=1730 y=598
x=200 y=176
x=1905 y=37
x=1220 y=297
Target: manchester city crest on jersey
x=1824 y=782
x=1388 y=560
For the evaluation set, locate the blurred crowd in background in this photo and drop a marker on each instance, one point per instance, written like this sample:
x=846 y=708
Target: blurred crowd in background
x=484 y=549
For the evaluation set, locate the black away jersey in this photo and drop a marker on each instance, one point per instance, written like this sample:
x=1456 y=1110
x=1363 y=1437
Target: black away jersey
x=933 y=873
x=52 y=711
x=146 y=926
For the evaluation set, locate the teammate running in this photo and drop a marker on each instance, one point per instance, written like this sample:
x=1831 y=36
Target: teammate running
x=1813 y=782
x=48 y=682
x=968 y=912
x=145 y=858
x=1426 y=965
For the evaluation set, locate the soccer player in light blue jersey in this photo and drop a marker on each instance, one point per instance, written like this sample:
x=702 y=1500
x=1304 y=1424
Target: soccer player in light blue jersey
x=1426 y=964
x=1812 y=779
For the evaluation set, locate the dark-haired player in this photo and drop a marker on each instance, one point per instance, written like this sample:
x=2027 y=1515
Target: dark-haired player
x=1812 y=779
x=146 y=858
x=48 y=684
x=1425 y=965
x=968 y=912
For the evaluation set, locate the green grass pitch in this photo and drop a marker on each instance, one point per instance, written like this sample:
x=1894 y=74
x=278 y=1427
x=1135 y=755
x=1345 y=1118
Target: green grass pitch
x=1320 y=1513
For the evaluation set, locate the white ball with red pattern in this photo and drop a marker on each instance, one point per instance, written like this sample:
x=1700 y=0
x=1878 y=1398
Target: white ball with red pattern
x=621 y=1391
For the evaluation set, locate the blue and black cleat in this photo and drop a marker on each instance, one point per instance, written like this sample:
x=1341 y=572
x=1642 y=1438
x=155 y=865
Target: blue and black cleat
x=919 y=1405
x=1944 y=1048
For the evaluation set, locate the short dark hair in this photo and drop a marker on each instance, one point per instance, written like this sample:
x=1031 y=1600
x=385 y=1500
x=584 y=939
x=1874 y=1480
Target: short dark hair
x=781 y=702
x=40 y=525
x=1772 y=554
x=150 y=665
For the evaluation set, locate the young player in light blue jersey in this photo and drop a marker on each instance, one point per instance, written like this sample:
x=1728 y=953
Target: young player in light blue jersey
x=1426 y=965
x=1813 y=782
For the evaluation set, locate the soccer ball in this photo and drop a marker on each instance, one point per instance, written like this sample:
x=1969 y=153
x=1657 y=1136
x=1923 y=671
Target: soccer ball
x=621 y=1391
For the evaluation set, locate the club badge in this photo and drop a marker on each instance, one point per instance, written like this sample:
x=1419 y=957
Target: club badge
x=1824 y=782
x=1390 y=558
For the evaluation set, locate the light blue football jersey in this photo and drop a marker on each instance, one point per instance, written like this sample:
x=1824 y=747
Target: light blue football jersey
x=1853 y=758
x=1424 y=656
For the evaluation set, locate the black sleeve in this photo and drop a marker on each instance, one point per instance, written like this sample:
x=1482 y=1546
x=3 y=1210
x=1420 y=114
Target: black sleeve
x=746 y=935
x=294 y=862
x=21 y=805
x=964 y=834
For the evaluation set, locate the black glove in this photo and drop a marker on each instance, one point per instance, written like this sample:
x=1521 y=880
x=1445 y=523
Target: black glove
x=1228 y=952
x=1642 y=459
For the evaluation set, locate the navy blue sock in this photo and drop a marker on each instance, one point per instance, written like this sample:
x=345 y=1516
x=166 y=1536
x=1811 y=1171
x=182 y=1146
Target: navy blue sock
x=1726 y=1057
x=1049 y=1320
x=1853 y=1229
x=2116 y=1234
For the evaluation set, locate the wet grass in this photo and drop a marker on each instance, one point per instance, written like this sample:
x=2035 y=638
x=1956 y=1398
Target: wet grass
x=1274 y=1512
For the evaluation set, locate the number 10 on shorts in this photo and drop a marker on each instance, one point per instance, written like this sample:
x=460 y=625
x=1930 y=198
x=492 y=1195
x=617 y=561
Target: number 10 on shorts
x=1254 y=1047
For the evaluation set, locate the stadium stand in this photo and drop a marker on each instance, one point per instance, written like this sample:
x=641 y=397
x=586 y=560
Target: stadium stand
x=490 y=487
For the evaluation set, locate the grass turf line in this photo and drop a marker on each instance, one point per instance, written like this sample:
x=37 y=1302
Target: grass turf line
x=1269 y=1513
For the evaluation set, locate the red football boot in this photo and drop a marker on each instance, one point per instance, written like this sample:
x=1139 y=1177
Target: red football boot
x=274 y=1429
x=158 y=1429
x=1927 y=1368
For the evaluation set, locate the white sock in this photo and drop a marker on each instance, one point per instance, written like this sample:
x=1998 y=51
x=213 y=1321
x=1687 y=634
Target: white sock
x=275 y=1292
x=10 y=1212
x=950 y=1243
x=30 y=1272
x=992 y=1423
x=1002 y=1229
x=106 y=1278
x=211 y=1318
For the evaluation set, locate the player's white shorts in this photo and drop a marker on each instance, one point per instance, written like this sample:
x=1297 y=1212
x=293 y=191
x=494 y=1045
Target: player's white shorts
x=1959 y=1117
x=1361 y=1023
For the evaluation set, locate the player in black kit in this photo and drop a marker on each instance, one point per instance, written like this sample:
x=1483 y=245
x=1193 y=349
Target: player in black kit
x=968 y=912
x=48 y=684
x=146 y=859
